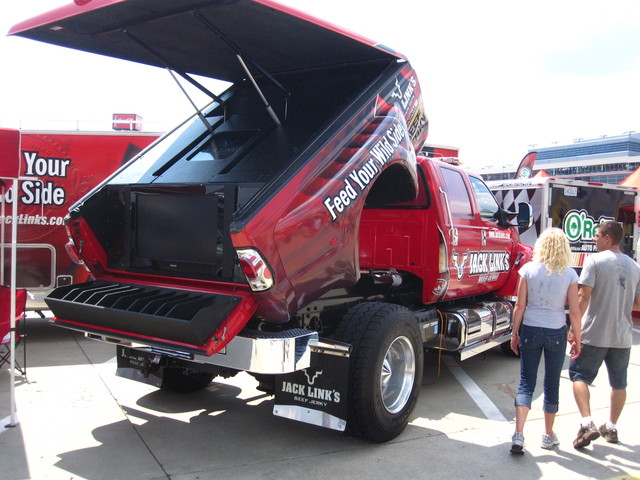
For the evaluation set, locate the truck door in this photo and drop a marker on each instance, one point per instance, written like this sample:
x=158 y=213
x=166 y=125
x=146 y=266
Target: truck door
x=463 y=234
x=495 y=241
x=478 y=247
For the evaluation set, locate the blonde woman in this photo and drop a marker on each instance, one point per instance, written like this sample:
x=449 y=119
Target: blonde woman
x=546 y=284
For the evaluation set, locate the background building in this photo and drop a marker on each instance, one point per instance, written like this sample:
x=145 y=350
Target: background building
x=602 y=160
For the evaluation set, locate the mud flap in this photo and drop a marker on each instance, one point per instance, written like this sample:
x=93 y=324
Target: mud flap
x=143 y=368
x=318 y=394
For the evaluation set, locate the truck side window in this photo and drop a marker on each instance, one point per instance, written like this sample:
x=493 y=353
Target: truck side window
x=457 y=193
x=486 y=201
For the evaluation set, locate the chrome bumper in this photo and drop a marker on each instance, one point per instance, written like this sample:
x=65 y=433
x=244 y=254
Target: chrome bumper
x=253 y=351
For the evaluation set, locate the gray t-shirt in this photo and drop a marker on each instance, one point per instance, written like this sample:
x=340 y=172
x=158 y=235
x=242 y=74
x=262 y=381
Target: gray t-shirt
x=615 y=279
x=546 y=295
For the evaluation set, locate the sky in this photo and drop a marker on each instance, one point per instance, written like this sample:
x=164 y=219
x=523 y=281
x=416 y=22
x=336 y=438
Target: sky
x=498 y=77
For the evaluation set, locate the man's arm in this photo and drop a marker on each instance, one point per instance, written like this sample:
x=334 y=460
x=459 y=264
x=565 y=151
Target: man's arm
x=575 y=327
x=584 y=295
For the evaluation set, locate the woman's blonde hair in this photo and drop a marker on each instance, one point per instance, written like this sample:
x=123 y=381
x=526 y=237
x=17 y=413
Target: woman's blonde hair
x=552 y=249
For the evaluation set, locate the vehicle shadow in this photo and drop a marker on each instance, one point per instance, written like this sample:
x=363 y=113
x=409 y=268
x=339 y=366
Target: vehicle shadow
x=228 y=431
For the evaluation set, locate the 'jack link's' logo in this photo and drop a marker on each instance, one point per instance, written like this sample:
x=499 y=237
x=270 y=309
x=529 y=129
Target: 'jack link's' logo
x=481 y=262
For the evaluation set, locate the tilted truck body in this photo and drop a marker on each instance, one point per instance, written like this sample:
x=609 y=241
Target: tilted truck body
x=574 y=206
x=289 y=230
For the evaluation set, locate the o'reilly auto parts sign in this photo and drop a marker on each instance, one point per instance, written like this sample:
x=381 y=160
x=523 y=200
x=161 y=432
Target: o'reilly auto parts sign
x=580 y=228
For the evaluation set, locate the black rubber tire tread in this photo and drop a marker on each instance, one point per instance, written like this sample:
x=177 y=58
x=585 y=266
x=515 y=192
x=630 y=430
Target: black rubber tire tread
x=181 y=380
x=370 y=328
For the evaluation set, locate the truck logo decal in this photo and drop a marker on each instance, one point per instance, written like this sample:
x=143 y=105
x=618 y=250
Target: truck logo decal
x=579 y=226
x=500 y=235
x=37 y=191
x=408 y=95
x=397 y=94
x=359 y=178
x=459 y=265
x=481 y=263
x=310 y=395
x=488 y=262
x=311 y=380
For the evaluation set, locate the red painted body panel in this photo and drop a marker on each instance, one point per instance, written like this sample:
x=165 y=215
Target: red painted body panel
x=58 y=168
x=309 y=231
x=409 y=239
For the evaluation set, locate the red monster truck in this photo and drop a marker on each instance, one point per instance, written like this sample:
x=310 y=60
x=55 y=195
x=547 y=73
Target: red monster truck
x=288 y=229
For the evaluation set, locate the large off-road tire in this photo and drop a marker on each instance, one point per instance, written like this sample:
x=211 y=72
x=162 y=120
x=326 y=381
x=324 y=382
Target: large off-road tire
x=385 y=369
x=183 y=380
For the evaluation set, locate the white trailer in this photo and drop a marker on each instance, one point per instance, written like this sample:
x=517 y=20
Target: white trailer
x=576 y=207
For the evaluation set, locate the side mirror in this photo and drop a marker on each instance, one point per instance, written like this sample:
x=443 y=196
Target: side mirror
x=525 y=216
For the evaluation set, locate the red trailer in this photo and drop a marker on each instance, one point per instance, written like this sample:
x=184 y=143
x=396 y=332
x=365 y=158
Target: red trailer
x=63 y=166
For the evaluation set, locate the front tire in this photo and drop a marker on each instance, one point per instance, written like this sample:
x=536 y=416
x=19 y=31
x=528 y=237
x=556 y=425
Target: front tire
x=385 y=369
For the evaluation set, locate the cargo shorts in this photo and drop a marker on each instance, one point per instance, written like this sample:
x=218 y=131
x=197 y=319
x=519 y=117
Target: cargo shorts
x=585 y=367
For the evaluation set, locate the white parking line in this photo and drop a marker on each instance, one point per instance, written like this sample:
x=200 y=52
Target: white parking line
x=475 y=392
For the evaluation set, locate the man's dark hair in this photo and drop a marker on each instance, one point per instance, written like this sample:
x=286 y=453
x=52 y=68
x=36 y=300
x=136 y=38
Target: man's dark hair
x=613 y=229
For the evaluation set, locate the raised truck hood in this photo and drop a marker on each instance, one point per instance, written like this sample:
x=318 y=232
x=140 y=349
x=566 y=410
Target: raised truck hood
x=202 y=37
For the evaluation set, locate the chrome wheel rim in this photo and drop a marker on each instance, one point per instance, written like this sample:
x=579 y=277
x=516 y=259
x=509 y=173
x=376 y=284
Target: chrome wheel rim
x=397 y=375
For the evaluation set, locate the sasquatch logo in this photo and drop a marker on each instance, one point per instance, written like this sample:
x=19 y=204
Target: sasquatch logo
x=397 y=92
x=459 y=265
x=311 y=379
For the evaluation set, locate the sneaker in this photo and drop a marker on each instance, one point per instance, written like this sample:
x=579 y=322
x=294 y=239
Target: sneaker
x=586 y=435
x=549 y=441
x=609 y=434
x=517 y=443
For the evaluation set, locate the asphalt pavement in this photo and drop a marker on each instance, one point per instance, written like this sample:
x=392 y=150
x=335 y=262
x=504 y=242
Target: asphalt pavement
x=77 y=420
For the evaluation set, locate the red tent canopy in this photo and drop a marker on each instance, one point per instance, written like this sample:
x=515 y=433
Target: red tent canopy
x=9 y=153
x=632 y=180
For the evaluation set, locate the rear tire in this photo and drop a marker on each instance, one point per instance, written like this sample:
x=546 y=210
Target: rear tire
x=184 y=380
x=385 y=369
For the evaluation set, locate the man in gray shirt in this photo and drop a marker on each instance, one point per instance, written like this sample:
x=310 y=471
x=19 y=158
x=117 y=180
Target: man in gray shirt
x=609 y=289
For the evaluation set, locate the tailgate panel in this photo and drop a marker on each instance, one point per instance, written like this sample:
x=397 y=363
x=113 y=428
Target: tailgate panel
x=163 y=313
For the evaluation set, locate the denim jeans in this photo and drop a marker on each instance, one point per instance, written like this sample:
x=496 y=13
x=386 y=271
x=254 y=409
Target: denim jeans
x=534 y=341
